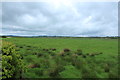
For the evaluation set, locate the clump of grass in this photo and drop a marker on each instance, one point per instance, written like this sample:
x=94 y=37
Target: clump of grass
x=87 y=54
x=84 y=56
x=62 y=53
x=54 y=71
x=37 y=71
x=53 y=49
x=79 y=52
x=21 y=47
x=92 y=54
x=39 y=54
x=66 y=50
x=28 y=46
x=33 y=66
x=67 y=58
x=100 y=53
x=106 y=68
x=52 y=54
x=45 y=49
x=29 y=49
x=76 y=62
x=88 y=73
x=74 y=55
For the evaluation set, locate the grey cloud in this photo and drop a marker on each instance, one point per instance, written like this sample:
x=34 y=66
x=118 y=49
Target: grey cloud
x=71 y=18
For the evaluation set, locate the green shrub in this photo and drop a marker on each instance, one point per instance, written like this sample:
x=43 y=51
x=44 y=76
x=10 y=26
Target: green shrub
x=12 y=64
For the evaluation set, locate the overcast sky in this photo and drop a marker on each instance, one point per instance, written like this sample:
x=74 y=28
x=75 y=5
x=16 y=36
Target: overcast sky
x=60 y=18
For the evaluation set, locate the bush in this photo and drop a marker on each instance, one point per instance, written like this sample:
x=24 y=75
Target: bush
x=12 y=64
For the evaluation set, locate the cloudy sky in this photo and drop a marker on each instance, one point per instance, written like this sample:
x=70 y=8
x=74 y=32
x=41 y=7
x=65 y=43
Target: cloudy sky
x=60 y=18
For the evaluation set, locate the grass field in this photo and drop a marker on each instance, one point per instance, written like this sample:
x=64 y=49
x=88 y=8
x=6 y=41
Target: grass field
x=68 y=57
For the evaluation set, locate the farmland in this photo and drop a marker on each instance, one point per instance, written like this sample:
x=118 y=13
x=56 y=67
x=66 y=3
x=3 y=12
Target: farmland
x=67 y=57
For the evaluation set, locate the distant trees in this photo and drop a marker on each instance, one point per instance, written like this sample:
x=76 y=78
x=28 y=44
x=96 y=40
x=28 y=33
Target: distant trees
x=4 y=36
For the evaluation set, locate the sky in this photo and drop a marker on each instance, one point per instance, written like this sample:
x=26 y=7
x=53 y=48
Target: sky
x=60 y=18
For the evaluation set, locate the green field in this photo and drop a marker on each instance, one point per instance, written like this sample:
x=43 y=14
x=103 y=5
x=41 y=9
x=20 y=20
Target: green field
x=68 y=57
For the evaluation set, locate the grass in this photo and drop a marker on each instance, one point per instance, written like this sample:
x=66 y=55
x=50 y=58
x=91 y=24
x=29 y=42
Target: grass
x=68 y=57
x=86 y=44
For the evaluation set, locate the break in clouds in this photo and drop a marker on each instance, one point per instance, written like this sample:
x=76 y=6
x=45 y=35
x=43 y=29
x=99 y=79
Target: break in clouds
x=60 y=18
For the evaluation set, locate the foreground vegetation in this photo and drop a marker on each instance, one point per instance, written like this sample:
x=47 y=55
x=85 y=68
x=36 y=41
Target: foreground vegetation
x=12 y=64
x=66 y=57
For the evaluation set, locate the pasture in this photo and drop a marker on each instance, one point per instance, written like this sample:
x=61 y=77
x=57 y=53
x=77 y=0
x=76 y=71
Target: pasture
x=68 y=57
